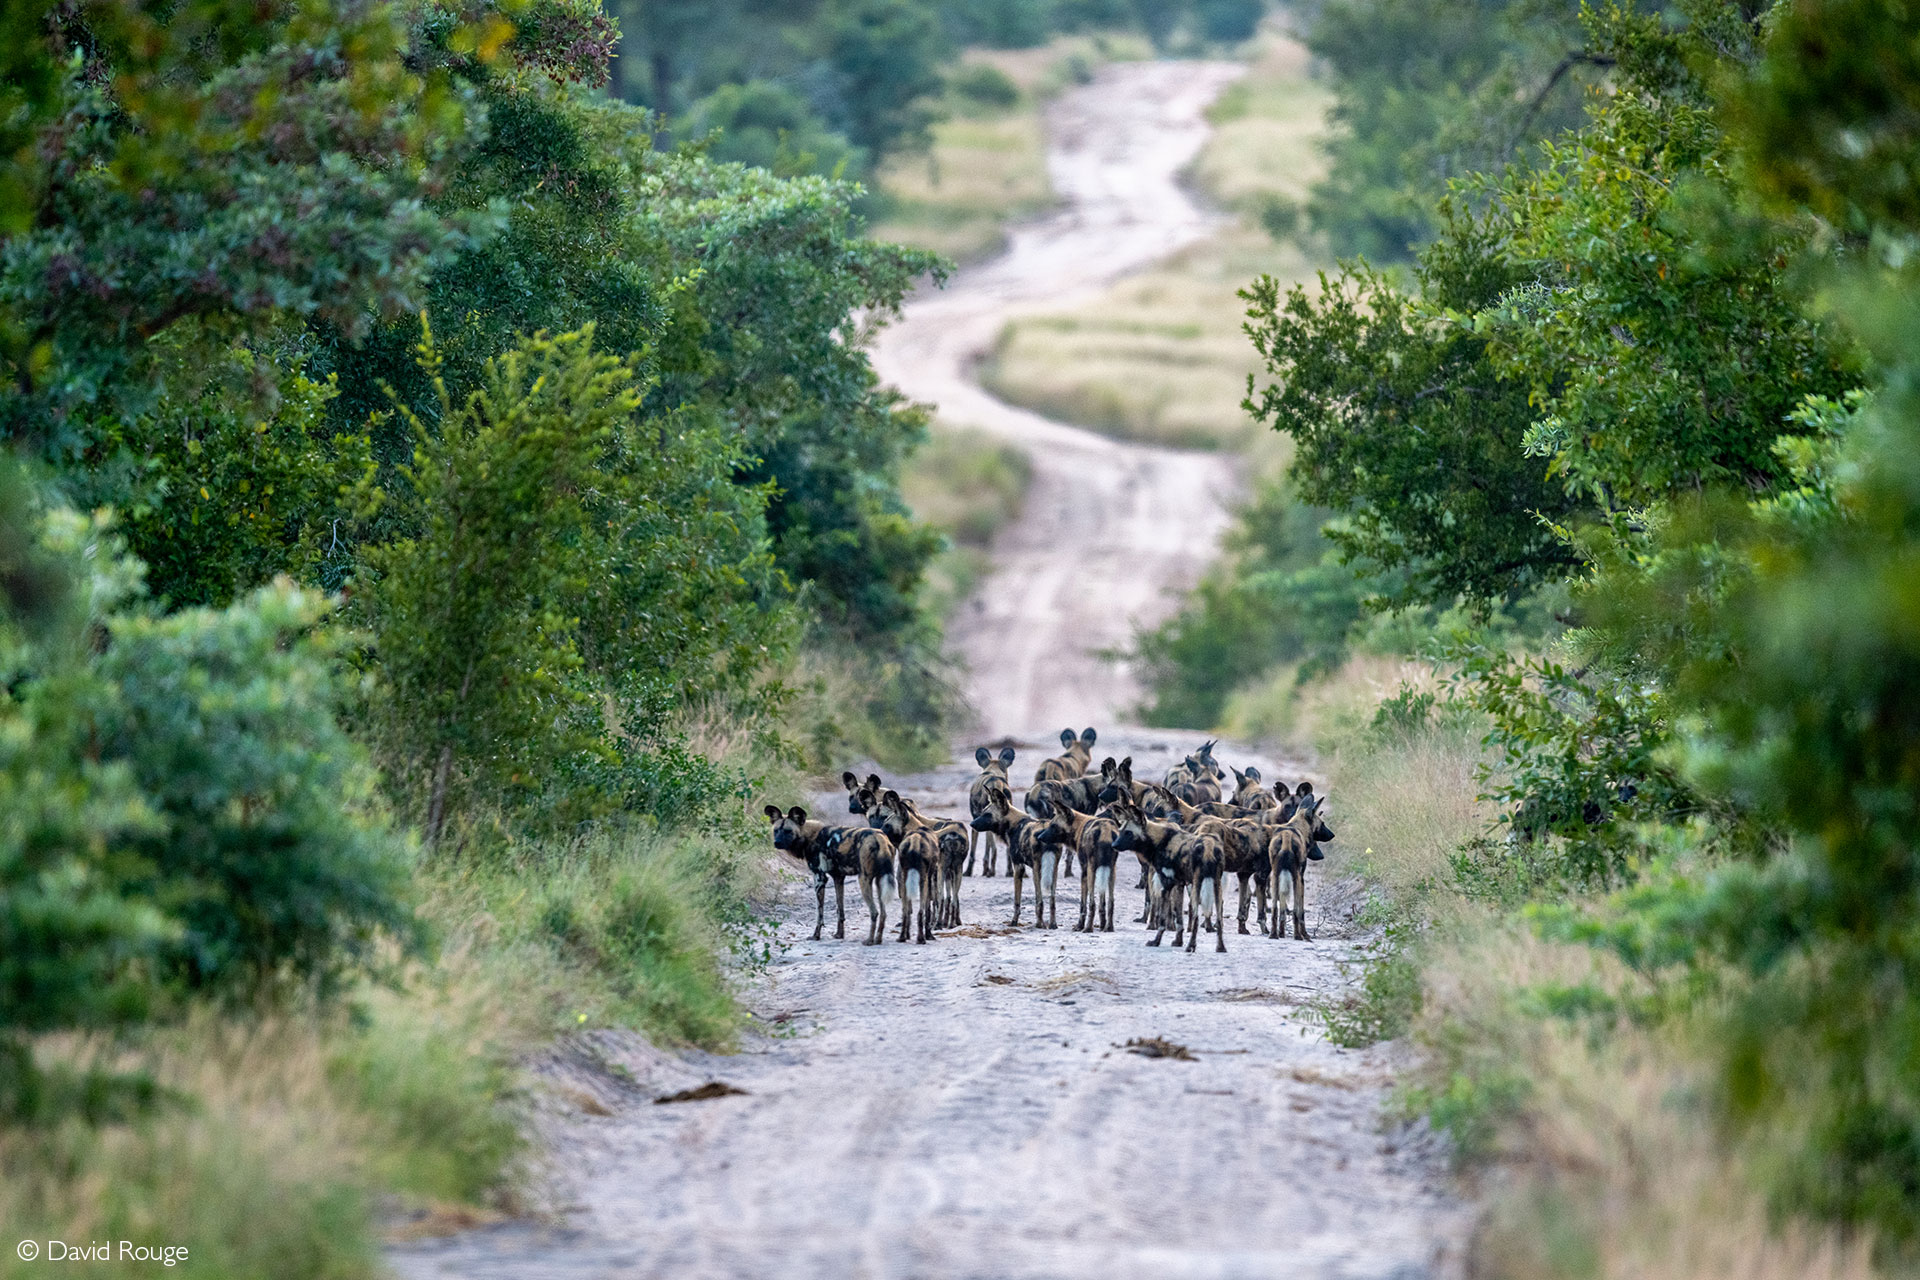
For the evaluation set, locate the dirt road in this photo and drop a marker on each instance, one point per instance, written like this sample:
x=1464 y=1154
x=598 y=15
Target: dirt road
x=1111 y=530
x=968 y=1108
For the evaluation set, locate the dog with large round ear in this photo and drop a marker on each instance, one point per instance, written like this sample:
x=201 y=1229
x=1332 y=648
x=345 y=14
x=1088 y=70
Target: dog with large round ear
x=1304 y=790
x=1006 y=757
x=789 y=829
x=980 y=757
x=1088 y=736
x=1066 y=738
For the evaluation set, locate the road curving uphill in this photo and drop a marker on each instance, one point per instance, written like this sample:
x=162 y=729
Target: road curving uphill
x=1111 y=531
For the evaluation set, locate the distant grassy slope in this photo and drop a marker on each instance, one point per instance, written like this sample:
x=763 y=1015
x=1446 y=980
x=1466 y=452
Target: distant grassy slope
x=988 y=164
x=967 y=484
x=1267 y=129
x=1160 y=357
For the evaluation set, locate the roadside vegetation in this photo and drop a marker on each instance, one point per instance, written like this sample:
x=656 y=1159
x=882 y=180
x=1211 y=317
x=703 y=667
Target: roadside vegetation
x=1160 y=357
x=1587 y=580
x=967 y=484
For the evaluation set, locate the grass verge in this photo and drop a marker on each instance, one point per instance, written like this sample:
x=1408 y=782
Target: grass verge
x=1579 y=1095
x=283 y=1144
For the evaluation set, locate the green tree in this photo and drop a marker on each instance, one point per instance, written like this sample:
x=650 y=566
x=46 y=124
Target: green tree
x=884 y=57
x=771 y=127
x=1403 y=423
x=71 y=939
x=209 y=166
x=1425 y=93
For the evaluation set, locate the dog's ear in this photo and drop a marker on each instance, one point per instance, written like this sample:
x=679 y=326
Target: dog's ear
x=848 y=781
x=1088 y=736
x=873 y=780
x=797 y=814
x=1006 y=755
x=773 y=814
x=1107 y=767
x=891 y=797
x=981 y=758
x=1304 y=789
x=1253 y=773
x=1066 y=737
x=1239 y=778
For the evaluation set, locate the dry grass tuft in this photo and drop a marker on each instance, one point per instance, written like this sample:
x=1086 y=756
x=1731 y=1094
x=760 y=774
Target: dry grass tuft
x=1613 y=1165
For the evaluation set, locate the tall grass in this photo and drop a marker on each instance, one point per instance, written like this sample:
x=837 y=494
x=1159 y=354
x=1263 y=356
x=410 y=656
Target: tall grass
x=1579 y=1094
x=1605 y=1154
x=283 y=1142
x=263 y=1156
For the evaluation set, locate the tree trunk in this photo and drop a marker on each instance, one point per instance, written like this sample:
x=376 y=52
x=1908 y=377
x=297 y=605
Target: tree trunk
x=437 y=800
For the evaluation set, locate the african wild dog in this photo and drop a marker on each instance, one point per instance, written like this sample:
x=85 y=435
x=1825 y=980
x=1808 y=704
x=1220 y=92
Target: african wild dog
x=1202 y=861
x=1294 y=844
x=1054 y=836
x=991 y=767
x=1081 y=793
x=1196 y=779
x=1092 y=835
x=1249 y=792
x=860 y=795
x=1199 y=766
x=872 y=852
x=1021 y=834
x=897 y=816
x=1243 y=841
x=1072 y=760
x=917 y=854
x=793 y=834
x=1158 y=846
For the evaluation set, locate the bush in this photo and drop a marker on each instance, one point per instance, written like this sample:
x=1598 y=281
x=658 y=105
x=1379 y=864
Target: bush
x=984 y=85
x=774 y=128
x=1383 y=1003
x=273 y=856
x=182 y=804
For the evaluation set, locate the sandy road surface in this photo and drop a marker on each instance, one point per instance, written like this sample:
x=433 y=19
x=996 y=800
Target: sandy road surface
x=1110 y=529
x=965 y=1108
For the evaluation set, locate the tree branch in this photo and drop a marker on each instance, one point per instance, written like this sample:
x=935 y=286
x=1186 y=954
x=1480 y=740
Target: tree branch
x=1577 y=58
